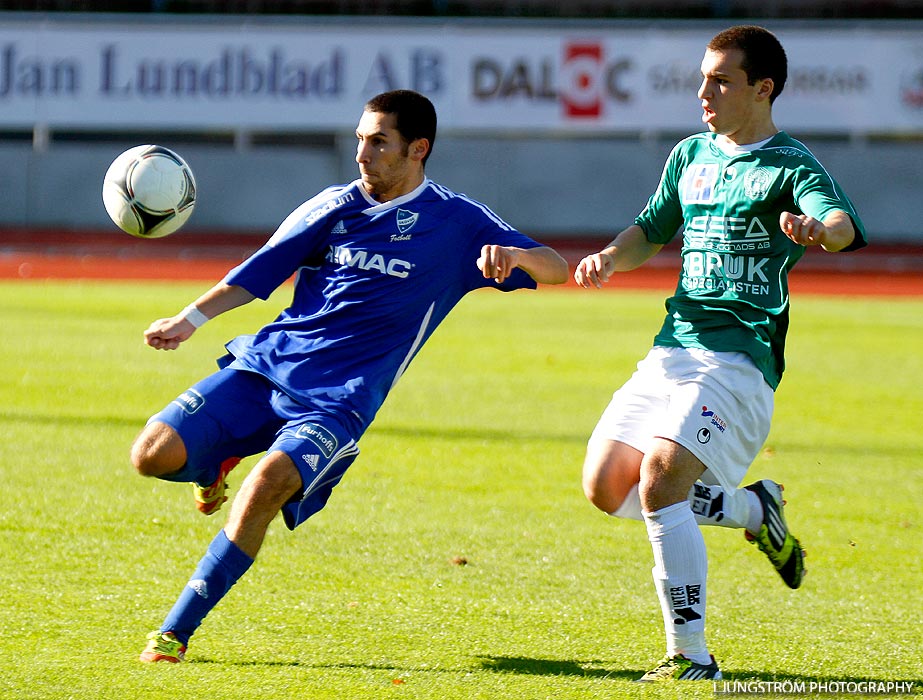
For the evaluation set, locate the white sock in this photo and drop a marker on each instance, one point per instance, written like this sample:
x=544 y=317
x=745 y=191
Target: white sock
x=631 y=506
x=712 y=505
x=680 y=570
x=737 y=509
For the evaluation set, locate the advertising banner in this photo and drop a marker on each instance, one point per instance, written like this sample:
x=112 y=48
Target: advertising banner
x=522 y=77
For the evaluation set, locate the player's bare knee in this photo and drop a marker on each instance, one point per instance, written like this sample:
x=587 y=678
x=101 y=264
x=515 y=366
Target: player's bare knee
x=597 y=489
x=610 y=471
x=600 y=496
x=145 y=460
x=157 y=450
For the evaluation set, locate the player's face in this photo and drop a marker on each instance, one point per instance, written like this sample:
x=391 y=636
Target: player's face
x=388 y=165
x=729 y=104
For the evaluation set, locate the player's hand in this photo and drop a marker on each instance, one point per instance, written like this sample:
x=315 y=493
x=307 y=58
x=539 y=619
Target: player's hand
x=168 y=333
x=803 y=229
x=497 y=262
x=594 y=270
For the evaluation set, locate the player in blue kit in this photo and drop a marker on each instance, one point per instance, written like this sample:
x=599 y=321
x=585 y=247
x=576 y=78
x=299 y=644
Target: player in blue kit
x=379 y=264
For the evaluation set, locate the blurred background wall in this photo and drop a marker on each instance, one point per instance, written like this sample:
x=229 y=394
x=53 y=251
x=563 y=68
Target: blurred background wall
x=515 y=94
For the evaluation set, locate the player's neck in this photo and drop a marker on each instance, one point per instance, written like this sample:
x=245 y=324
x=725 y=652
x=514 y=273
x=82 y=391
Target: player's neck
x=751 y=133
x=396 y=191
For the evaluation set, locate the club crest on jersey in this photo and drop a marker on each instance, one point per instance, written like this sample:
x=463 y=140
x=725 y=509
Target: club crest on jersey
x=406 y=220
x=757 y=183
x=699 y=183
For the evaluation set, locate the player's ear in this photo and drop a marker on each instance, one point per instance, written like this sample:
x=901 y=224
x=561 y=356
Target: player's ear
x=419 y=148
x=765 y=88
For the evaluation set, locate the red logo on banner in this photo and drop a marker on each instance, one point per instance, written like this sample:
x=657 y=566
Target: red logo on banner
x=582 y=84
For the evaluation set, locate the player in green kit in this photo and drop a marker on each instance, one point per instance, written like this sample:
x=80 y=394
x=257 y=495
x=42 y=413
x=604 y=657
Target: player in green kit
x=675 y=442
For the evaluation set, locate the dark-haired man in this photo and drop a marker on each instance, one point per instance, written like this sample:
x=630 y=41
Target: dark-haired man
x=379 y=263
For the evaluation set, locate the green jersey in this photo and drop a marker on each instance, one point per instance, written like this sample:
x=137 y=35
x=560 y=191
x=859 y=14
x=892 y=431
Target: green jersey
x=732 y=293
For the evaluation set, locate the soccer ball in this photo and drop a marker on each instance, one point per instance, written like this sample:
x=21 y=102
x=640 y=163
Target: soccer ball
x=149 y=191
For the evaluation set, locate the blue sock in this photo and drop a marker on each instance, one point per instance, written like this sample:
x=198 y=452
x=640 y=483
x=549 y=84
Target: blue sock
x=187 y=473
x=221 y=567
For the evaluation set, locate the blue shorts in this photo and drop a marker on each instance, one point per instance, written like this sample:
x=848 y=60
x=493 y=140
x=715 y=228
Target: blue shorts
x=235 y=413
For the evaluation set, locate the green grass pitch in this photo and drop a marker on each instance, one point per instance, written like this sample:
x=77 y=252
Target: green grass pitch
x=477 y=456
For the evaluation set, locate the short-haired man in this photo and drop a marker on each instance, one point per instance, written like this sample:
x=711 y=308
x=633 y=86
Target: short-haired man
x=677 y=439
x=379 y=263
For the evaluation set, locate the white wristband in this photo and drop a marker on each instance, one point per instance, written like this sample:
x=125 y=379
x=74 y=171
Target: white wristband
x=194 y=316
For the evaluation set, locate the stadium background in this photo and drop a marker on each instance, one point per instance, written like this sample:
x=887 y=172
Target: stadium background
x=568 y=187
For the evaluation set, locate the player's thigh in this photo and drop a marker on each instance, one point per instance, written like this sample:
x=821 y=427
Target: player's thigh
x=610 y=470
x=668 y=472
x=623 y=435
x=227 y=414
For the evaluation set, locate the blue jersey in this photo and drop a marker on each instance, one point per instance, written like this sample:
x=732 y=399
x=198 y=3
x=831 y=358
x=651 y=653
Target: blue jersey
x=373 y=282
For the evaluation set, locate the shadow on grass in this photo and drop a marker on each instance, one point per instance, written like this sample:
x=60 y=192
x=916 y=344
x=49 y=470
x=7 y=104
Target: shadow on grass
x=596 y=669
x=56 y=420
x=738 y=683
x=518 y=665
x=832 y=686
x=524 y=665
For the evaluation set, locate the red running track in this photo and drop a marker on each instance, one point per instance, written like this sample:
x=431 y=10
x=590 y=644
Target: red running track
x=27 y=254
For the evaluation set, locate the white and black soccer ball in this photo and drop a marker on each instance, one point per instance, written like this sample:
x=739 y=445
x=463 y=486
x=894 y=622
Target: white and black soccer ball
x=149 y=191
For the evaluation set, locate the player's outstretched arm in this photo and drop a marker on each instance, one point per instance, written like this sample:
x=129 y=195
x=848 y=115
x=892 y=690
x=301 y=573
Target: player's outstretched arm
x=833 y=233
x=168 y=333
x=629 y=250
x=543 y=264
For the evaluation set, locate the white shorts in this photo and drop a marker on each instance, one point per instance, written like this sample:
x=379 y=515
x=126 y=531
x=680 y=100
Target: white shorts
x=715 y=404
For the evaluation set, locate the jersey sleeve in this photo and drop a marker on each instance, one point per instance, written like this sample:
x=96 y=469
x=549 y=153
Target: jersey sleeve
x=495 y=231
x=295 y=244
x=662 y=218
x=817 y=194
